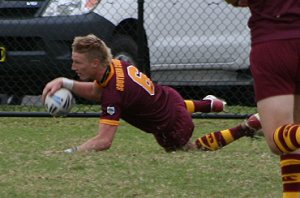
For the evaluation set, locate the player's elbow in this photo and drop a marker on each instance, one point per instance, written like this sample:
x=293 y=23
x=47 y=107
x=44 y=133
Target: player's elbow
x=104 y=145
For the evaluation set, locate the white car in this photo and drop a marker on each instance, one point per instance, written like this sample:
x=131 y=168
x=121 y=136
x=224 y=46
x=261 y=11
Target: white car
x=190 y=42
x=184 y=42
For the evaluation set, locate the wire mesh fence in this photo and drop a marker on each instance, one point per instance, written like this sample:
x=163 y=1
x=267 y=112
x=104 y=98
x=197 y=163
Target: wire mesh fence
x=197 y=47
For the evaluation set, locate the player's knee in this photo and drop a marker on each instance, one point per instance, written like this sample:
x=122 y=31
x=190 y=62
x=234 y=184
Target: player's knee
x=275 y=150
x=285 y=139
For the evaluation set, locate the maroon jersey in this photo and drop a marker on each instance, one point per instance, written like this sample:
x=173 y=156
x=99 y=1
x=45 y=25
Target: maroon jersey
x=132 y=96
x=274 y=20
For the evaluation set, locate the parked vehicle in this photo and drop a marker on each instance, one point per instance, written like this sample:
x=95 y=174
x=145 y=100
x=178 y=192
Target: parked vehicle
x=186 y=42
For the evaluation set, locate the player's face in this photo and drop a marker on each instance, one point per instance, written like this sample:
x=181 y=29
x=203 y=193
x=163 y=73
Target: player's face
x=84 y=68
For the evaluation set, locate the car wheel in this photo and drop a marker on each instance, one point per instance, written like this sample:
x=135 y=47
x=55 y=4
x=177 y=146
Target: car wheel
x=14 y=100
x=124 y=48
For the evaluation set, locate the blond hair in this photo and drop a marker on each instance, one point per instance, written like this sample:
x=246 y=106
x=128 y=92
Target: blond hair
x=93 y=47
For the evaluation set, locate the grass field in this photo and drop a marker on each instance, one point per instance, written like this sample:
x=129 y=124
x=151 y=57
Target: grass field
x=32 y=164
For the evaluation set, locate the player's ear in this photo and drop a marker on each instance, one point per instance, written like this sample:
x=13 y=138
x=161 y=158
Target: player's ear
x=95 y=62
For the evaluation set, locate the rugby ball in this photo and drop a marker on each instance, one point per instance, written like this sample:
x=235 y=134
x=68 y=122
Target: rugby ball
x=60 y=103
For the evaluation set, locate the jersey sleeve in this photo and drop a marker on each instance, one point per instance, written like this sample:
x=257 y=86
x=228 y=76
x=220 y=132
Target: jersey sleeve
x=111 y=108
x=109 y=122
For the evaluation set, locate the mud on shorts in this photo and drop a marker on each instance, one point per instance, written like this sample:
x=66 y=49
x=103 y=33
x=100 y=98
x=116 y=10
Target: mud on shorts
x=275 y=66
x=182 y=129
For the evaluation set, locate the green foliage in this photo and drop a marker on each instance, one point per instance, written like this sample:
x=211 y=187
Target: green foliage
x=32 y=163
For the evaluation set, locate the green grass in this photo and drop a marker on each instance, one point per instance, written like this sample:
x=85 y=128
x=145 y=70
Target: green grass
x=32 y=163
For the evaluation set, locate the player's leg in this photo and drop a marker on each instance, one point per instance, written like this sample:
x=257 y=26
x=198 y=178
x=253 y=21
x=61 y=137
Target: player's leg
x=174 y=136
x=218 y=139
x=291 y=162
x=178 y=135
x=275 y=68
x=278 y=113
x=283 y=138
x=297 y=108
x=272 y=118
x=208 y=104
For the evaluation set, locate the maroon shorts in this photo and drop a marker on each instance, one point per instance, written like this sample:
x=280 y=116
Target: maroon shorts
x=182 y=129
x=275 y=67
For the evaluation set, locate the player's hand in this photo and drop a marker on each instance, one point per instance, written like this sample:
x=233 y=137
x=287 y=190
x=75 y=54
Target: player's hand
x=51 y=88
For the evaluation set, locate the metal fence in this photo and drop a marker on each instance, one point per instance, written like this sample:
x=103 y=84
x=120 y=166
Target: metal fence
x=197 y=47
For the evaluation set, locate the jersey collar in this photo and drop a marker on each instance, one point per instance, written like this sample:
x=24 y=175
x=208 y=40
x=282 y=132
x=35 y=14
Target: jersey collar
x=107 y=75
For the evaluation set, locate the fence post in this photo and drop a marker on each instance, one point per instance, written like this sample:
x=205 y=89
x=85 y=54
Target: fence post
x=141 y=63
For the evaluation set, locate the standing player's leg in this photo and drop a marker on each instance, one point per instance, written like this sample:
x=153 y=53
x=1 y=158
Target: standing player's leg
x=283 y=138
x=272 y=118
x=275 y=83
x=297 y=108
x=208 y=104
x=218 y=139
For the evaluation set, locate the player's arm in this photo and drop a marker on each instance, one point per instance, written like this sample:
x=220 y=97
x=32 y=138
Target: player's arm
x=87 y=90
x=238 y=3
x=102 y=141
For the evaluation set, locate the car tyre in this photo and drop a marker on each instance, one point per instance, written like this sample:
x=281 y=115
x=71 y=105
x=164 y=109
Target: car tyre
x=124 y=48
